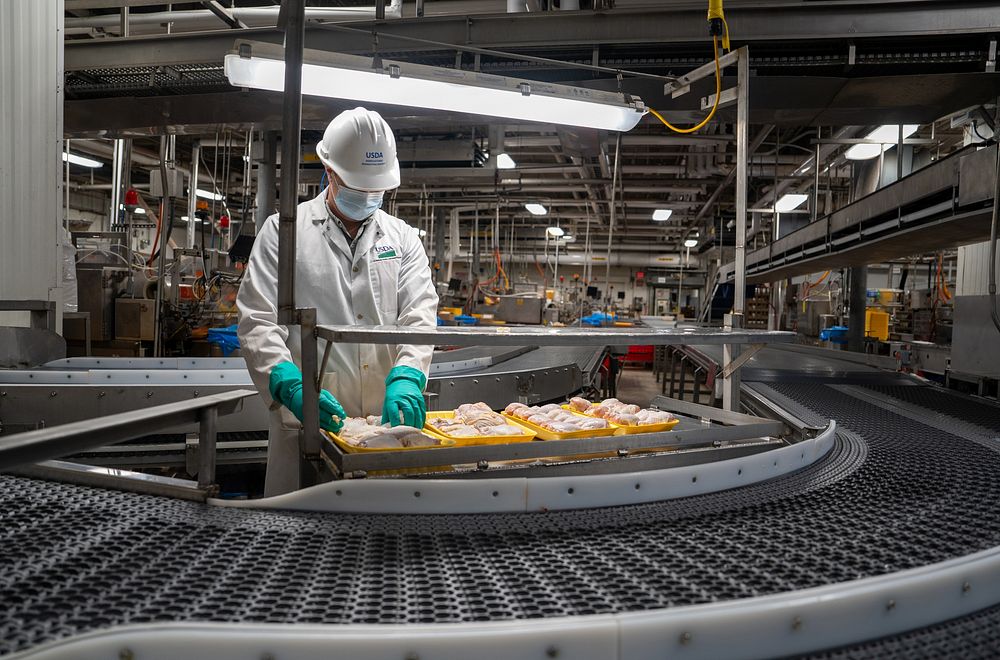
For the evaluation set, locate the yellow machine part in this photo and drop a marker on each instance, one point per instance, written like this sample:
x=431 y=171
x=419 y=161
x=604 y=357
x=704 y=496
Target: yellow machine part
x=877 y=325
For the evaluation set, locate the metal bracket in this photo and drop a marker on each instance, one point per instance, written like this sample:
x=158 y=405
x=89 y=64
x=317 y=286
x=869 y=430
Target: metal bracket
x=748 y=352
x=728 y=97
x=223 y=14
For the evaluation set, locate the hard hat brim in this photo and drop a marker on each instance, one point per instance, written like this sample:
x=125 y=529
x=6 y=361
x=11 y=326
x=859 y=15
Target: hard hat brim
x=386 y=179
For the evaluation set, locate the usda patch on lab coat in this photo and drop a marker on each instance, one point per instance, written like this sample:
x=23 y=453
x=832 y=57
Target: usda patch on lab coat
x=384 y=252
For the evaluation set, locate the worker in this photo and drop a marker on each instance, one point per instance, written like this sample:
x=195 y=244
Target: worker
x=356 y=265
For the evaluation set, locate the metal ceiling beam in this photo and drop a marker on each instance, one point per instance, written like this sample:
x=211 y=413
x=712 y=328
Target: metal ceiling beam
x=85 y=5
x=223 y=14
x=752 y=22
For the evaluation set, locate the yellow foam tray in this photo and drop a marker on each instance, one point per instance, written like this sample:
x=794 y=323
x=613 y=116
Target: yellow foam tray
x=528 y=436
x=546 y=434
x=630 y=430
x=351 y=449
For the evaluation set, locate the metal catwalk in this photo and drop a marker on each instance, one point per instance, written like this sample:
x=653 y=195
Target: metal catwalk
x=897 y=492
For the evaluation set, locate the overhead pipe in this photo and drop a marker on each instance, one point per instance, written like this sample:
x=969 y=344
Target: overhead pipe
x=618 y=259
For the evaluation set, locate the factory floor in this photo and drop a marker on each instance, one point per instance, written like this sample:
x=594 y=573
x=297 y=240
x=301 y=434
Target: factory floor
x=638 y=385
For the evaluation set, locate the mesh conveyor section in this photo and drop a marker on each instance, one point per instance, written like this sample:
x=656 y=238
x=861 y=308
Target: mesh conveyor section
x=77 y=559
x=973 y=637
x=967 y=409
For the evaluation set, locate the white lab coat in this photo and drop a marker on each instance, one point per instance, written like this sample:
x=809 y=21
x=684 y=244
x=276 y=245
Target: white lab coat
x=387 y=281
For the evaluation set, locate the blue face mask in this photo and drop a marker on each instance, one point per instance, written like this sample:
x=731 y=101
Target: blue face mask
x=356 y=204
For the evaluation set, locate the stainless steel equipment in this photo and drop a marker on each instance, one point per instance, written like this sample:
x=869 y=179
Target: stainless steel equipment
x=520 y=309
x=98 y=289
x=134 y=318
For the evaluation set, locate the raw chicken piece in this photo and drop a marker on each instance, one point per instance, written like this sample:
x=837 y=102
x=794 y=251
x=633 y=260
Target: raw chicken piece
x=419 y=440
x=562 y=427
x=591 y=424
x=513 y=408
x=506 y=429
x=600 y=410
x=490 y=419
x=648 y=416
x=464 y=432
x=624 y=419
x=549 y=407
x=381 y=442
x=579 y=404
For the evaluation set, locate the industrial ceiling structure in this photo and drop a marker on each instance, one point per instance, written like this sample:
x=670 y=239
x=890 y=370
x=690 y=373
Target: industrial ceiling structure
x=840 y=68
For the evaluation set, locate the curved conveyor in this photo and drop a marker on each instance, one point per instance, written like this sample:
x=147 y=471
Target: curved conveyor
x=704 y=576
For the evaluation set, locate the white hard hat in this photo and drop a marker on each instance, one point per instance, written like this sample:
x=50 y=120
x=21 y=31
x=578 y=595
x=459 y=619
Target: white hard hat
x=359 y=146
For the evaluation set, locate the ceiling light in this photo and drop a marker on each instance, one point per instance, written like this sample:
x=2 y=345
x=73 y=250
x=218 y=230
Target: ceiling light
x=184 y=218
x=208 y=195
x=555 y=232
x=888 y=135
x=691 y=242
x=505 y=162
x=140 y=210
x=334 y=75
x=662 y=215
x=790 y=202
x=536 y=209
x=80 y=160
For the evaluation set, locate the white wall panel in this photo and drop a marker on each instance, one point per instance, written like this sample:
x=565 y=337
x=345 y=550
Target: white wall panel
x=973 y=269
x=31 y=119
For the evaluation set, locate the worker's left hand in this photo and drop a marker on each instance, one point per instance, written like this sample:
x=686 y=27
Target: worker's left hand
x=404 y=398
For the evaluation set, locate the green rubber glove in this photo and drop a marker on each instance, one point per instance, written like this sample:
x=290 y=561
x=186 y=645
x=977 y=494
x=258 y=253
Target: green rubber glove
x=286 y=388
x=404 y=397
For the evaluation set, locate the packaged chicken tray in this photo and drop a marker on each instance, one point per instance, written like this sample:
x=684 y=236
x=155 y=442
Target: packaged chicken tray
x=367 y=434
x=627 y=418
x=552 y=422
x=476 y=424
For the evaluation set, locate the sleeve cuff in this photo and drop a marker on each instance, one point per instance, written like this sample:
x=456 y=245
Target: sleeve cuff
x=407 y=373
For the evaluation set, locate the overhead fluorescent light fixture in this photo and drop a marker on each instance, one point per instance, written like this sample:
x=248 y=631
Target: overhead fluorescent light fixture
x=888 y=135
x=204 y=194
x=662 y=215
x=790 y=202
x=82 y=161
x=537 y=209
x=505 y=162
x=690 y=242
x=555 y=232
x=258 y=65
x=184 y=218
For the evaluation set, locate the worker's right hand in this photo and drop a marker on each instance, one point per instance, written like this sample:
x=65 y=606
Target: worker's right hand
x=286 y=388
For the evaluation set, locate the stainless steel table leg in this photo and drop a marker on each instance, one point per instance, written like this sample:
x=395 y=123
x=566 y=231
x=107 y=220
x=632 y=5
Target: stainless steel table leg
x=206 y=446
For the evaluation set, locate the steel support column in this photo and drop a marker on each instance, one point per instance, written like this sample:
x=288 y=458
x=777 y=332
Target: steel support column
x=192 y=222
x=266 y=168
x=293 y=12
x=858 y=278
x=731 y=384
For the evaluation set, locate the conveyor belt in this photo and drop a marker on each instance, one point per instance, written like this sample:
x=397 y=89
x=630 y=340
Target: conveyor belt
x=973 y=637
x=971 y=411
x=894 y=494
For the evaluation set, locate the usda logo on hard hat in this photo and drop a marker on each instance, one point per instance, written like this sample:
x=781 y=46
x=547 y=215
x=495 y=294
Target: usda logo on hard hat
x=374 y=158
